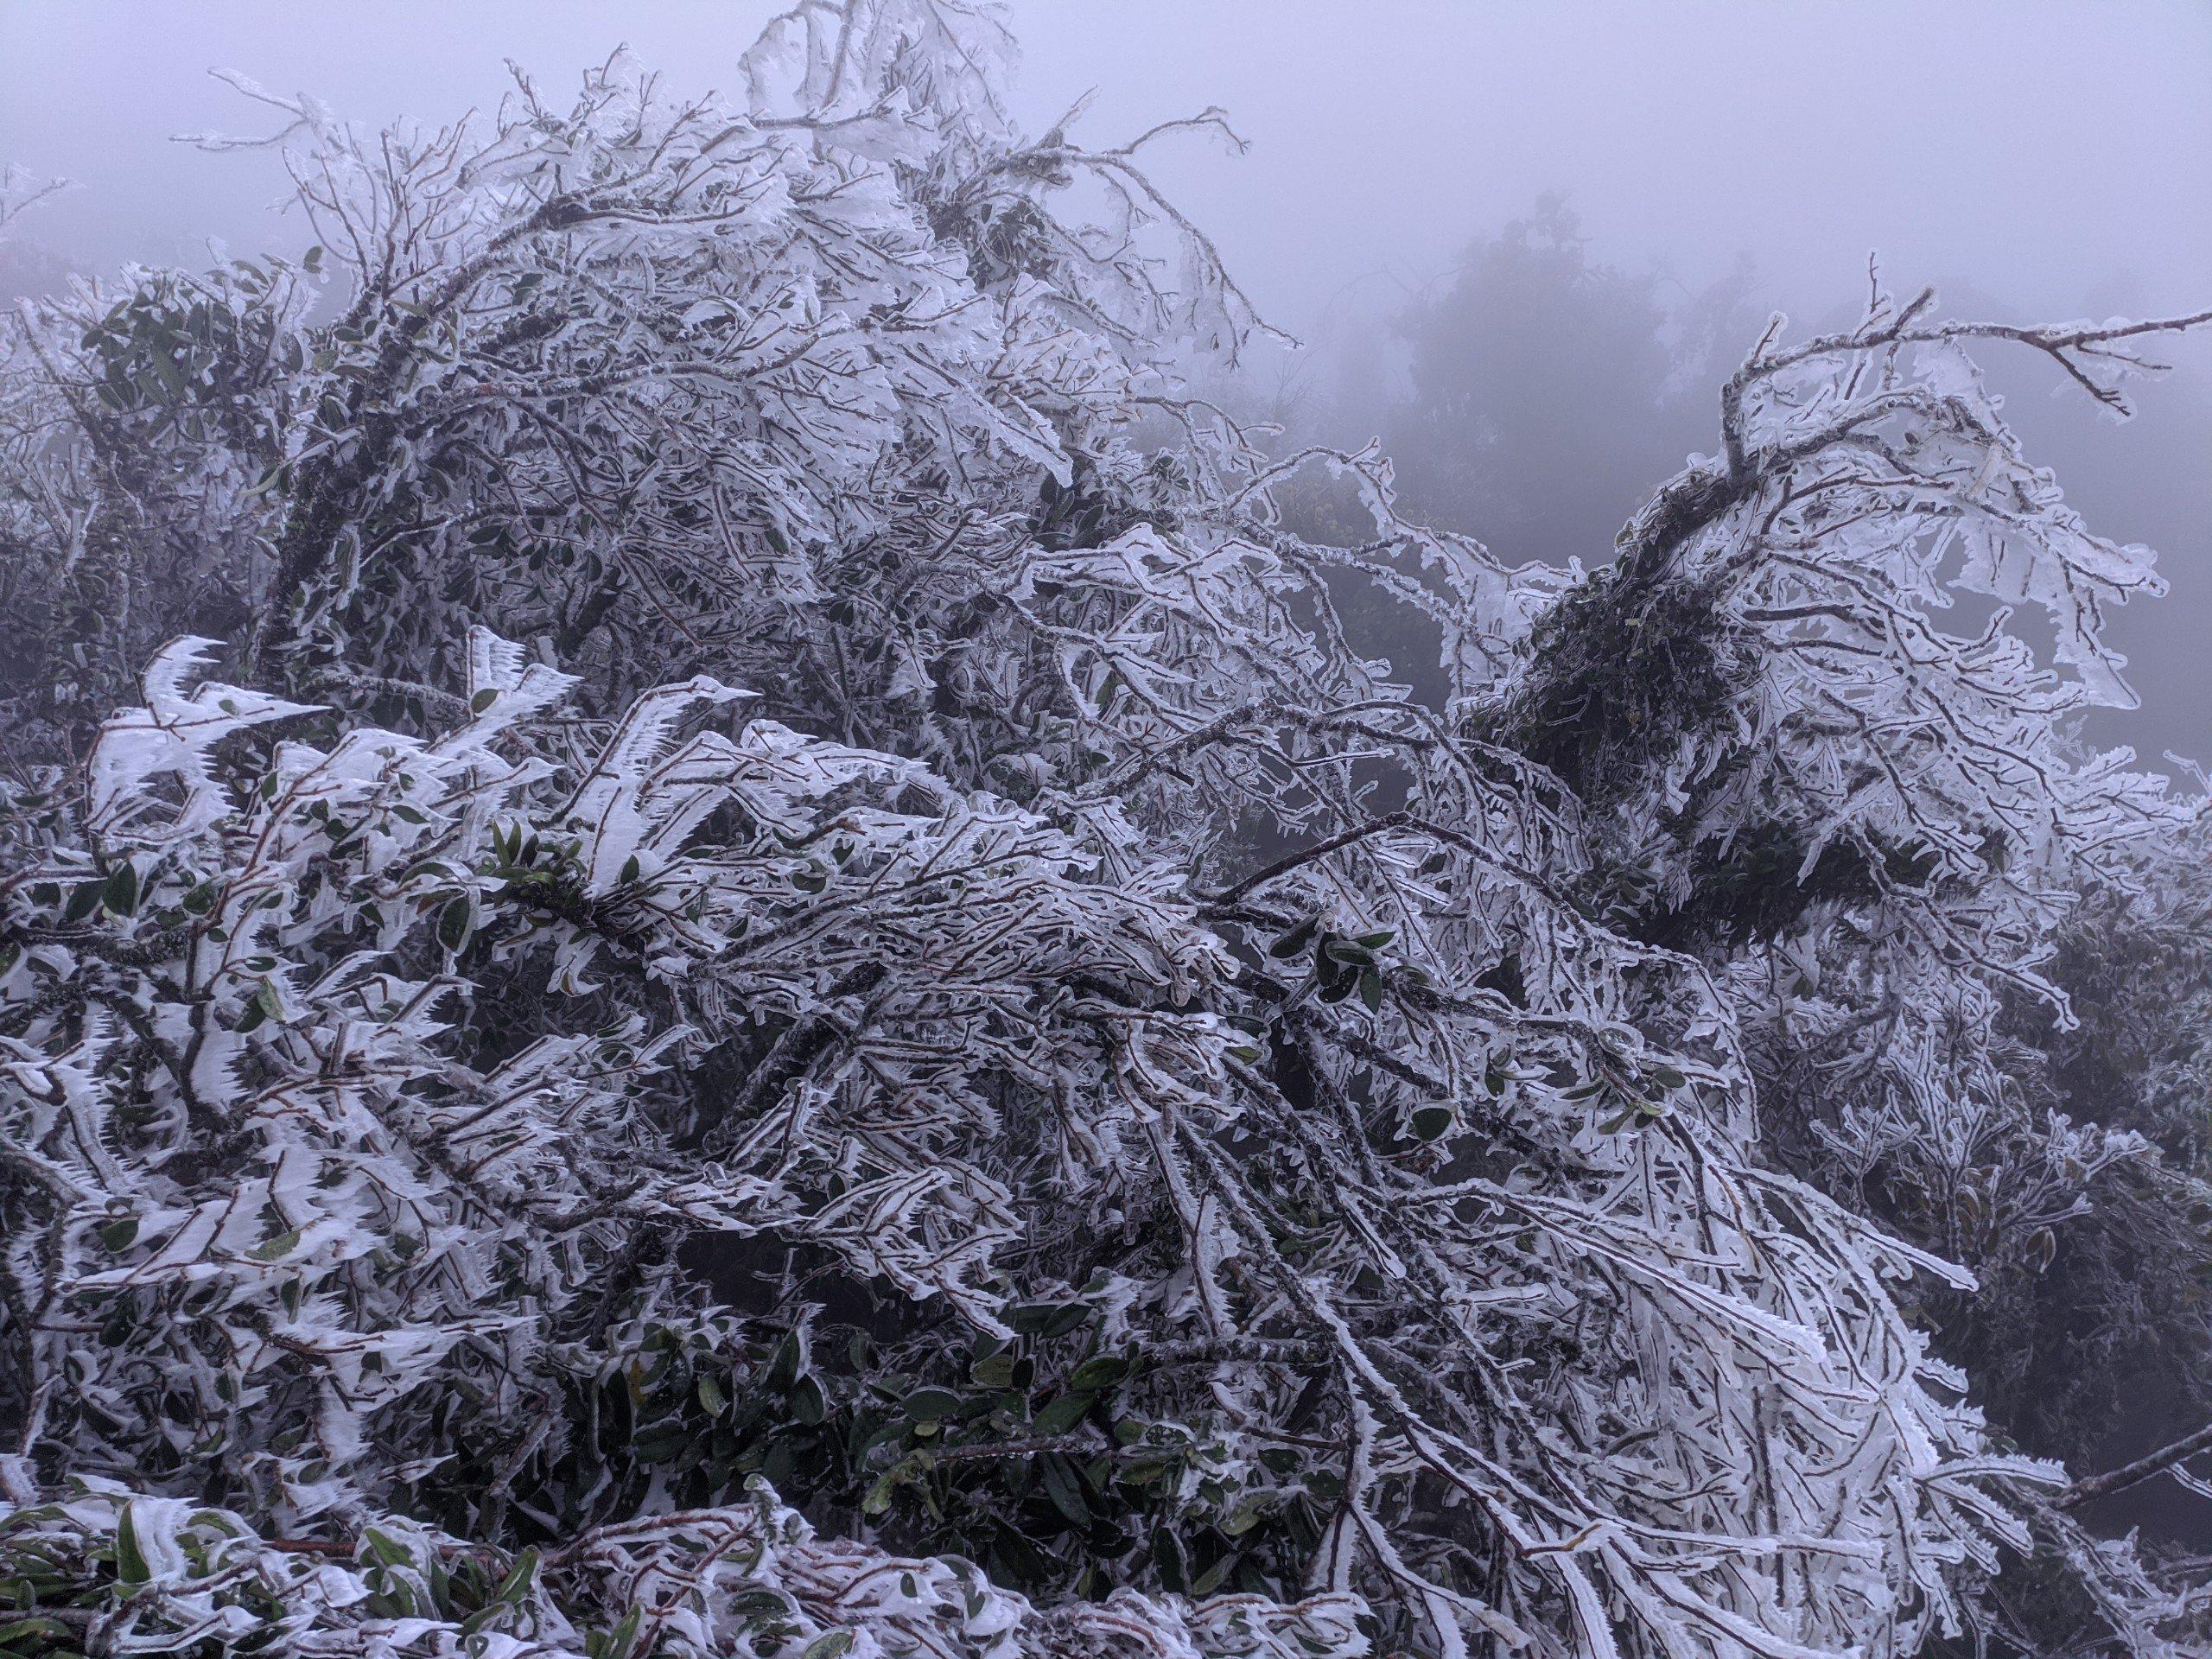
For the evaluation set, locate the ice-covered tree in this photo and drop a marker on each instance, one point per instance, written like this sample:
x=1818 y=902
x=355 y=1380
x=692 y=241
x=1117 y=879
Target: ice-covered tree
x=788 y=986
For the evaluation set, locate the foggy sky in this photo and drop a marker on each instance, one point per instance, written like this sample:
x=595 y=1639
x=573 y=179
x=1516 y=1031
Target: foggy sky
x=2053 y=157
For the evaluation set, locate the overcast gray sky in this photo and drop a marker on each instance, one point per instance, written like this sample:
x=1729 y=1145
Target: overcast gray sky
x=2051 y=147
x=2053 y=156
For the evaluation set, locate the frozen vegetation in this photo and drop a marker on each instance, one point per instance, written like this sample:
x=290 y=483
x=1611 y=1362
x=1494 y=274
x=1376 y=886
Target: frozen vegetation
x=721 y=938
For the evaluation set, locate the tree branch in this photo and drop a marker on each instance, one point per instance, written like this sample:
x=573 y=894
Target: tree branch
x=2135 y=1473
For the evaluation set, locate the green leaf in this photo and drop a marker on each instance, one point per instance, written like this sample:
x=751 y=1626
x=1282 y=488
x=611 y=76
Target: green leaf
x=878 y=1501
x=829 y=1646
x=712 y=1399
x=121 y=893
x=455 y=922
x=118 y=1233
x=1102 y=1372
x=50 y=1632
x=1431 y=1121
x=1064 y=1487
x=625 y=1635
x=808 y=1404
x=930 y=1405
x=1248 y=1516
x=469 y=1626
x=386 y=1548
x=129 y=1560
x=994 y=1372
x=270 y=1249
x=518 y=1582
x=84 y=899
x=1295 y=941
x=483 y=700
x=782 y=1364
x=1168 y=1562
x=1046 y=1319
x=1063 y=1415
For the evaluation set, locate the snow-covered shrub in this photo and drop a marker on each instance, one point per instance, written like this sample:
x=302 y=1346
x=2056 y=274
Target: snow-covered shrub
x=767 y=735
x=334 y=1146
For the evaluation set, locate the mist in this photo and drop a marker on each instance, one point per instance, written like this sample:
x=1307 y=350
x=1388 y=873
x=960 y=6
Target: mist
x=1562 y=908
x=2033 y=162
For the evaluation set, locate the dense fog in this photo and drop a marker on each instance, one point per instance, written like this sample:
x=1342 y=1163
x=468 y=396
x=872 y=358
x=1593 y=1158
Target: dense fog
x=1273 y=829
x=1718 y=161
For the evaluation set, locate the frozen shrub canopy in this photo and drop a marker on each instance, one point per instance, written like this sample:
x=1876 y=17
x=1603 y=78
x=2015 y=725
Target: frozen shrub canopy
x=695 y=685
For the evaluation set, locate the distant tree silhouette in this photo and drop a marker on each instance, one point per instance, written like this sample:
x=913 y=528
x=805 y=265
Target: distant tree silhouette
x=1549 y=388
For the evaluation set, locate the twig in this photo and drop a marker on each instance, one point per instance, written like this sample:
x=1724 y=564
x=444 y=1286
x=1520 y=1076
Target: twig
x=2135 y=1473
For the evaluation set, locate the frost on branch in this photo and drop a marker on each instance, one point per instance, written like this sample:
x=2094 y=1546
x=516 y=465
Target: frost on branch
x=320 y=1126
x=805 y=878
x=751 y=1577
x=264 y=1138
